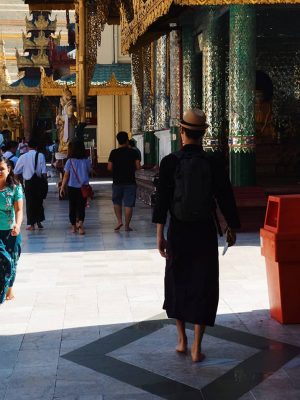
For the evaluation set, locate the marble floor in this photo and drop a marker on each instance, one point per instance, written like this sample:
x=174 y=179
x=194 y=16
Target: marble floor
x=87 y=323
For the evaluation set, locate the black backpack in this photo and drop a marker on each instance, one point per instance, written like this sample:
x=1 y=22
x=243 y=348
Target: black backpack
x=193 y=191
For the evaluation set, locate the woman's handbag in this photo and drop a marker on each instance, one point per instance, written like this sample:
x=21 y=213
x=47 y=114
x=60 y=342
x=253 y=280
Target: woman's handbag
x=86 y=190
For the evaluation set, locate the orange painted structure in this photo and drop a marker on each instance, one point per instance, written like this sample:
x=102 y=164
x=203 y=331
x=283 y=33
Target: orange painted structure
x=280 y=244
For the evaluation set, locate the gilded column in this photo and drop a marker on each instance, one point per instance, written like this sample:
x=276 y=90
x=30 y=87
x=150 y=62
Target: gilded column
x=242 y=94
x=190 y=97
x=213 y=81
x=161 y=83
x=81 y=78
x=150 y=150
x=175 y=87
x=137 y=93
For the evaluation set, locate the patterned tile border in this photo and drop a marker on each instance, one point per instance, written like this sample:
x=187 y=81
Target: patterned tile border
x=230 y=386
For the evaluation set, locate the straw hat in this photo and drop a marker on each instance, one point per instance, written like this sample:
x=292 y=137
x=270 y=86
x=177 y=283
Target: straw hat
x=194 y=119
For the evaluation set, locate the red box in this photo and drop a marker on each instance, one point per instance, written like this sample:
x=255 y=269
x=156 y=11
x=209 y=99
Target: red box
x=280 y=244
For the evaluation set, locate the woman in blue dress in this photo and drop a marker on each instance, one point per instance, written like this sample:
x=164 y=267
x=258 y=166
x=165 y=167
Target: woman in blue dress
x=11 y=216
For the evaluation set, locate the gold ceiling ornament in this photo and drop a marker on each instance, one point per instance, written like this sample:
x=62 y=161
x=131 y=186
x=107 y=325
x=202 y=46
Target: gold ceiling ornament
x=146 y=12
x=97 y=16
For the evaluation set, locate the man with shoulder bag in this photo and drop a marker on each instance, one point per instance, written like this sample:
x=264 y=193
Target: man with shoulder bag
x=190 y=181
x=32 y=166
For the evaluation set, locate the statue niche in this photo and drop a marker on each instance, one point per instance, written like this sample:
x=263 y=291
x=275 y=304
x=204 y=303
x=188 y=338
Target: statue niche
x=65 y=121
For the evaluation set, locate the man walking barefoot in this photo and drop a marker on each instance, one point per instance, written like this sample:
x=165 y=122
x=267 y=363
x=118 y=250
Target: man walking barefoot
x=123 y=162
x=189 y=182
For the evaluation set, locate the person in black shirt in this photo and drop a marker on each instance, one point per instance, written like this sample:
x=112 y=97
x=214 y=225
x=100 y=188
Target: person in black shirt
x=123 y=162
x=191 y=248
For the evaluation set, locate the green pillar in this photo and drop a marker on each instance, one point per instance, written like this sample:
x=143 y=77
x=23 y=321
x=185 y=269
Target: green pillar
x=213 y=81
x=241 y=95
x=190 y=95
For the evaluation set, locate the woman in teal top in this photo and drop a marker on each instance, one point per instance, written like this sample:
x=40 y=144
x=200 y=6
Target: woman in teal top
x=11 y=215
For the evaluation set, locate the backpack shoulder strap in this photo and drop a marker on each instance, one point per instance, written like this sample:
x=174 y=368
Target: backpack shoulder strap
x=75 y=173
x=36 y=160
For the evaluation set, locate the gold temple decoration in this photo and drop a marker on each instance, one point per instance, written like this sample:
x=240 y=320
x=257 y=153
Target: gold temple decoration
x=49 y=87
x=97 y=16
x=40 y=59
x=40 y=24
x=20 y=90
x=10 y=116
x=41 y=41
x=111 y=87
x=4 y=75
x=23 y=61
x=56 y=38
x=146 y=12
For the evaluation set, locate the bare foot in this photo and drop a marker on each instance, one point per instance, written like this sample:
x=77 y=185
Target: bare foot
x=73 y=229
x=81 y=230
x=30 y=228
x=128 y=229
x=9 y=294
x=182 y=346
x=196 y=354
x=119 y=226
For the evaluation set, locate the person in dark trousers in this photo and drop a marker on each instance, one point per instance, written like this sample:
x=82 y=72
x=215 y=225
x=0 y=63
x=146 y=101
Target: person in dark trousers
x=123 y=162
x=77 y=170
x=191 y=248
x=29 y=164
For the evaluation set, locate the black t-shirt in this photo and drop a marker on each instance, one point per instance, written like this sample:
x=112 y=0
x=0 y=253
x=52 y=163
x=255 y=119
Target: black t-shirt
x=123 y=160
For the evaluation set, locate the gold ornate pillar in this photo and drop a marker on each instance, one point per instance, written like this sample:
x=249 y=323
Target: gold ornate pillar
x=81 y=81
